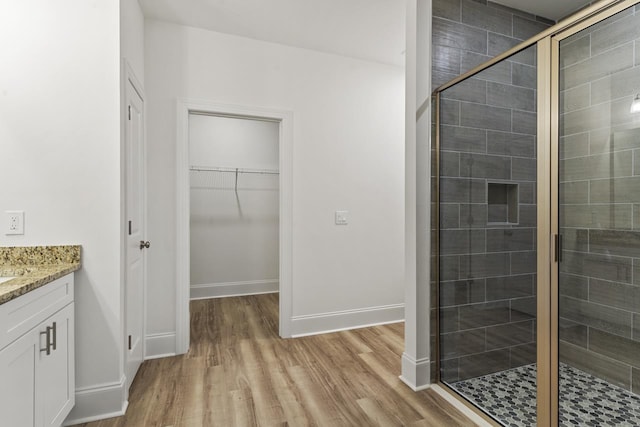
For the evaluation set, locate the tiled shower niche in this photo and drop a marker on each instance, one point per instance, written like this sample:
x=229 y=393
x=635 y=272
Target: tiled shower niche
x=502 y=203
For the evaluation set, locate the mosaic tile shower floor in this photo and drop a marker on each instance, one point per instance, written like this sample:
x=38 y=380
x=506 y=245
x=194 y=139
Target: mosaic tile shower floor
x=510 y=396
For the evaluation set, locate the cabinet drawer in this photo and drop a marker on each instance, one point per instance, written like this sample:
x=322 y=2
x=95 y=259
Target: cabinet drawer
x=20 y=315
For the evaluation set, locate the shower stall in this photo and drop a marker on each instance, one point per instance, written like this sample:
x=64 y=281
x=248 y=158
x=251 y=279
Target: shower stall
x=537 y=226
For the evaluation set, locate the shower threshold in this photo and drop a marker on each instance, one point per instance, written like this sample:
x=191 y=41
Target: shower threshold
x=510 y=397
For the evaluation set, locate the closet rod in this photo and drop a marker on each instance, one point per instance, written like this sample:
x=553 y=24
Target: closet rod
x=234 y=170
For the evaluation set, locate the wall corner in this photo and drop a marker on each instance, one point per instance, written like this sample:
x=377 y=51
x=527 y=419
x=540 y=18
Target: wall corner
x=415 y=360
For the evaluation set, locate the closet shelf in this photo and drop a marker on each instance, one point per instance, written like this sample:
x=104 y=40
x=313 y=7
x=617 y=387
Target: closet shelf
x=234 y=170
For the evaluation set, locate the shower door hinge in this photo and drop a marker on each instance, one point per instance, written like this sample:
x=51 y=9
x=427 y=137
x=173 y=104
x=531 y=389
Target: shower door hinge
x=557 y=248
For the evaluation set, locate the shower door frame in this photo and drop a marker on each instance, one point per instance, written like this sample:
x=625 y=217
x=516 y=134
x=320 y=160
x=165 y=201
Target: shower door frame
x=547 y=200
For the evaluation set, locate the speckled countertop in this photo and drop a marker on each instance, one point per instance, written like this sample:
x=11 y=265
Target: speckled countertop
x=34 y=266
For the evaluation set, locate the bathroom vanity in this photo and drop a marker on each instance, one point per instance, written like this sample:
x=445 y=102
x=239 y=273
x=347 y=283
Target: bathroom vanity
x=37 y=383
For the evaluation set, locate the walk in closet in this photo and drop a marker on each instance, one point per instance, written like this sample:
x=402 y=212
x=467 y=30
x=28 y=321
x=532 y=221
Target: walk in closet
x=234 y=203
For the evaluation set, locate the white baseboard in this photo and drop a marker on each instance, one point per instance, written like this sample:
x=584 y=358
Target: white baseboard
x=160 y=345
x=233 y=289
x=99 y=402
x=416 y=373
x=348 y=319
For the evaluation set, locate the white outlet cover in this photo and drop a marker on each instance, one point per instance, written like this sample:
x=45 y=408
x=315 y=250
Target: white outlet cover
x=342 y=217
x=14 y=222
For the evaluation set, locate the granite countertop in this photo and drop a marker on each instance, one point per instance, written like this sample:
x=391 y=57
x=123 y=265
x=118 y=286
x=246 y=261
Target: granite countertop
x=34 y=266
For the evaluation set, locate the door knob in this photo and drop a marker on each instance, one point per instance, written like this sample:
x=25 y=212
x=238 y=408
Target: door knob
x=144 y=244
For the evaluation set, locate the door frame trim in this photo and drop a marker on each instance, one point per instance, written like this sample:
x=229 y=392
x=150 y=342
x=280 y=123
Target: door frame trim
x=545 y=369
x=129 y=77
x=285 y=144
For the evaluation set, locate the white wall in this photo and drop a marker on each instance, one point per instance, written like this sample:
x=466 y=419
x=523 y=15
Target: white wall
x=60 y=155
x=234 y=234
x=348 y=155
x=132 y=36
x=230 y=142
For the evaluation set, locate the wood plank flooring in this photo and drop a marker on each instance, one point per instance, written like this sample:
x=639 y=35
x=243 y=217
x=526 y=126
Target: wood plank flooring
x=238 y=372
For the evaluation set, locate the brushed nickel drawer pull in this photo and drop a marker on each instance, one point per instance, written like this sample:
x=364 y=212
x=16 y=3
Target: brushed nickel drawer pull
x=55 y=335
x=48 y=346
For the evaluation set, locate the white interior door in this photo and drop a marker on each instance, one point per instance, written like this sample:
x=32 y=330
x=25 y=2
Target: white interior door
x=135 y=215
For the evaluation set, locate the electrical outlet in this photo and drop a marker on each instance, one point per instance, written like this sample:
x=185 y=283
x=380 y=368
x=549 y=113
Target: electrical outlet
x=14 y=222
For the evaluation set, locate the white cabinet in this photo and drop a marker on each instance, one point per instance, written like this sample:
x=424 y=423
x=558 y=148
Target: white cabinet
x=37 y=383
x=17 y=387
x=56 y=391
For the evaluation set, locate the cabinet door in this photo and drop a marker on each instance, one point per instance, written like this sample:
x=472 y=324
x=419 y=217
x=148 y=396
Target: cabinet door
x=18 y=381
x=55 y=371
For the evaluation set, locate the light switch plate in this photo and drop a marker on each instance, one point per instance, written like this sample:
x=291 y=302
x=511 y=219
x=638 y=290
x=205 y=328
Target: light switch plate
x=14 y=221
x=342 y=217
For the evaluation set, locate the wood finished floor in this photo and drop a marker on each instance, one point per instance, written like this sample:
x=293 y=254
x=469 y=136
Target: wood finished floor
x=238 y=372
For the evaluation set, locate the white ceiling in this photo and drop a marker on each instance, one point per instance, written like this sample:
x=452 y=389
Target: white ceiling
x=367 y=29
x=552 y=9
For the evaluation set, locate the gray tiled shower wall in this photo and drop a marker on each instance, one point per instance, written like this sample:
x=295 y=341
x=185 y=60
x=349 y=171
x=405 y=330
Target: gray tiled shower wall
x=488 y=128
x=600 y=201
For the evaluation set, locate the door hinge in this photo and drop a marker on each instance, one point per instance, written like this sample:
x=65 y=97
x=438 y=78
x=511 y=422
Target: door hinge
x=129 y=228
x=129 y=342
x=129 y=112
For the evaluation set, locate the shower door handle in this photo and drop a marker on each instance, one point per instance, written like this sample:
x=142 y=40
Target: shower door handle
x=558 y=247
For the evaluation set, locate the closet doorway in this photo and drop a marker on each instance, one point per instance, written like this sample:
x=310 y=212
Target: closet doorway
x=234 y=207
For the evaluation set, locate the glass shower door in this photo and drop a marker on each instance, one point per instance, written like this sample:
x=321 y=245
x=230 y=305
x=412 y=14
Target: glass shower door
x=487 y=241
x=599 y=223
